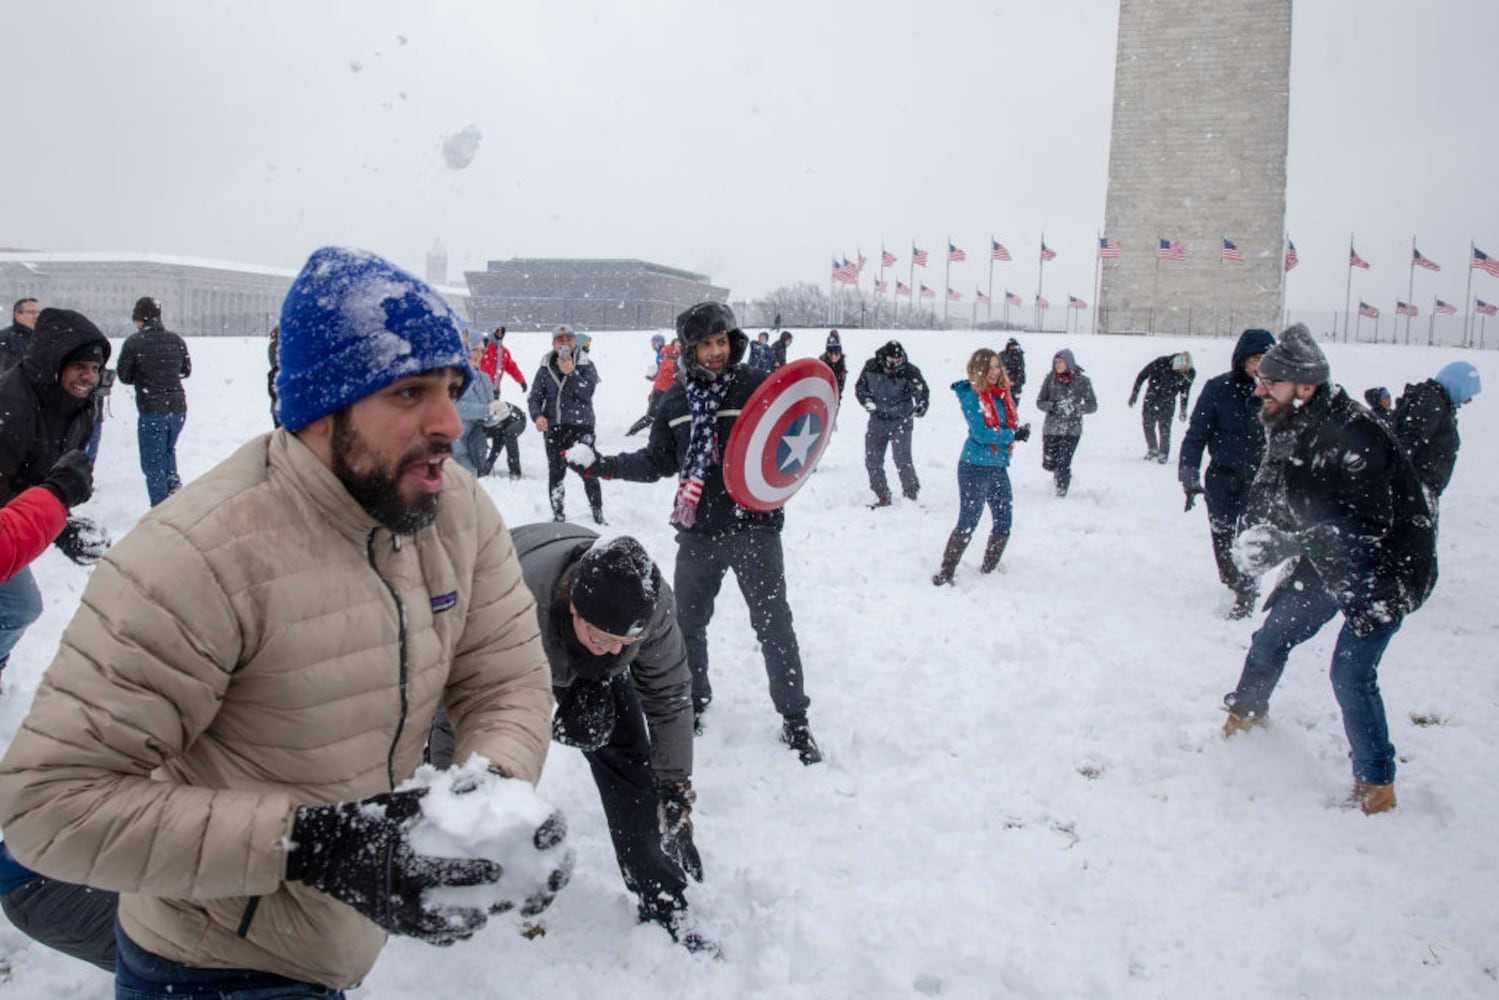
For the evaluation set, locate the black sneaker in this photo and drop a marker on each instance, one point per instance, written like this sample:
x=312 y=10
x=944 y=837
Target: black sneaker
x=598 y=516
x=797 y=735
x=669 y=911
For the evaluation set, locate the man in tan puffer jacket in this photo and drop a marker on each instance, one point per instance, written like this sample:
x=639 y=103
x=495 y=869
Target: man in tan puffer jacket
x=254 y=669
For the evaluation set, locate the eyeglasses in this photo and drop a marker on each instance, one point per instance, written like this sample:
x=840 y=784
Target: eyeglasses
x=1268 y=383
x=600 y=638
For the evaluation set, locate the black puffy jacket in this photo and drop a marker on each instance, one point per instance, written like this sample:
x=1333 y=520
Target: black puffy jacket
x=155 y=361
x=897 y=392
x=1226 y=419
x=1426 y=423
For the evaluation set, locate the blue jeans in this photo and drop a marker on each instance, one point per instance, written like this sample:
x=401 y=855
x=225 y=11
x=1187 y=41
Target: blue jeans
x=141 y=975
x=979 y=485
x=1303 y=607
x=157 y=434
x=20 y=605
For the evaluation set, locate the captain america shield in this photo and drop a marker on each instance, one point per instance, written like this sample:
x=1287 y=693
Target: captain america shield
x=780 y=435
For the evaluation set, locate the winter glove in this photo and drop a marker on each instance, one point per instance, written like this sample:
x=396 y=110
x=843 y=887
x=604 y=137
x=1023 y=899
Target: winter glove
x=523 y=386
x=1023 y=432
x=1263 y=546
x=1132 y=398
x=675 y=814
x=71 y=478
x=1193 y=491
x=581 y=458
x=499 y=410
x=358 y=853
x=82 y=541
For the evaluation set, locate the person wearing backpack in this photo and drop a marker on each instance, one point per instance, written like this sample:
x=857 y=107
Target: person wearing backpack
x=1426 y=422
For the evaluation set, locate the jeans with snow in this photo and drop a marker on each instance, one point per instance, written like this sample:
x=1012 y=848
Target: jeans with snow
x=1299 y=612
x=157 y=435
x=20 y=605
x=896 y=435
x=980 y=486
x=142 y=975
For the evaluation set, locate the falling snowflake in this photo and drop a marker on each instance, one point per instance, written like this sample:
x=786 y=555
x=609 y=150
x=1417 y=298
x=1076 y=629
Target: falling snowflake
x=459 y=148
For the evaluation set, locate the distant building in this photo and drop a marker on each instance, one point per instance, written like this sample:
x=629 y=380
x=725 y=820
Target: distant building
x=537 y=293
x=437 y=265
x=206 y=298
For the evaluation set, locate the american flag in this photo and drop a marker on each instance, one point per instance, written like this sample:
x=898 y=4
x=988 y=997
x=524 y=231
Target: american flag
x=1425 y=262
x=1046 y=252
x=997 y=250
x=846 y=272
x=927 y=293
x=1484 y=262
x=1108 y=249
x=1291 y=259
x=1354 y=260
x=1011 y=299
x=918 y=257
x=981 y=298
x=887 y=259
x=955 y=255
x=1073 y=302
x=1365 y=309
x=1444 y=308
x=1232 y=252
x=1485 y=308
x=1171 y=250
x=1405 y=309
x=953 y=296
x=1041 y=301
x=881 y=287
x=901 y=288
x=859 y=268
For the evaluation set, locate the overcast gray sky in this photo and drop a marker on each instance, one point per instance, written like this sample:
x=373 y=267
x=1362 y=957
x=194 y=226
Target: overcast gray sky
x=748 y=141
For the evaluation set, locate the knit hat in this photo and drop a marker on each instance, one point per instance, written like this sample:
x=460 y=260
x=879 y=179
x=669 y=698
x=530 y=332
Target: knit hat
x=1295 y=358
x=834 y=345
x=146 y=308
x=85 y=352
x=1461 y=381
x=658 y=341
x=354 y=323
x=615 y=587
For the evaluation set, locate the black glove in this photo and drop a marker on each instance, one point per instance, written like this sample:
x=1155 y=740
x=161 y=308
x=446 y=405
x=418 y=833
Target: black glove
x=71 y=478
x=1023 y=432
x=1132 y=399
x=523 y=386
x=1193 y=491
x=82 y=541
x=357 y=852
x=675 y=813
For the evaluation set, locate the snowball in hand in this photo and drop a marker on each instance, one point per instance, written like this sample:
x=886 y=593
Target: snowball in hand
x=472 y=812
x=581 y=455
x=459 y=148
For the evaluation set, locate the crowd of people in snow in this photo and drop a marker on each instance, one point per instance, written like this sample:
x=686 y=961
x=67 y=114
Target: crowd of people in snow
x=208 y=793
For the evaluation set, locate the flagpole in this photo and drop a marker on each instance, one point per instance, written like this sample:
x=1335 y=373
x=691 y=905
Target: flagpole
x=1097 y=279
x=1218 y=298
x=1467 y=340
x=1285 y=301
x=1483 y=321
x=946 y=279
x=1348 y=292
x=1155 y=283
x=911 y=285
x=1410 y=290
x=1431 y=323
x=1040 y=273
x=989 y=306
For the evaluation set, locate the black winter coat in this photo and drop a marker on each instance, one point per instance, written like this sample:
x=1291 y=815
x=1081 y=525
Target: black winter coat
x=1013 y=359
x=1166 y=383
x=155 y=361
x=565 y=400
x=1226 y=420
x=15 y=344
x=898 y=393
x=38 y=420
x=840 y=370
x=1426 y=424
x=665 y=454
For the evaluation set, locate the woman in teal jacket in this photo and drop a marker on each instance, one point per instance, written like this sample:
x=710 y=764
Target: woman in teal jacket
x=984 y=468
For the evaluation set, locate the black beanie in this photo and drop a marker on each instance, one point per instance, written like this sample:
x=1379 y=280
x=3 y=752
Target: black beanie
x=1296 y=358
x=615 y=587
x=145 y=309
x=85 y=352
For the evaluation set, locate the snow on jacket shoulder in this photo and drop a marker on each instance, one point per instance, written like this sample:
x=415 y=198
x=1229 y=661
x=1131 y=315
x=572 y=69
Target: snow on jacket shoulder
x=266 y=644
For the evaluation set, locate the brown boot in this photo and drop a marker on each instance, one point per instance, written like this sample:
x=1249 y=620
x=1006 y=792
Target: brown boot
x=1372 y=798
x=993 y=550
x=1235 y=724
x=957 y=543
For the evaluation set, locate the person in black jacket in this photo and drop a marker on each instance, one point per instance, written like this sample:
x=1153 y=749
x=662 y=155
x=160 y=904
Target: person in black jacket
x=1169 y=375
x=1226 y=421
x=155 y=361
x=1013 y=359
x=715 y=534
x=778 y=351
x=47 y=412
x=1348 y=509
x=1425 y=422
x=561 y=407
x=832 y=356
x=895 y=394
x=15 y=340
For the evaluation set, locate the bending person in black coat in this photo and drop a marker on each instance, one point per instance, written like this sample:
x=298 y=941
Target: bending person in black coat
x=1425 y=421
x=1169 y=375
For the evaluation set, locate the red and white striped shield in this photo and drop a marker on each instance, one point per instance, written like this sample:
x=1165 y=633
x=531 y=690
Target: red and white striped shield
x=780 y=435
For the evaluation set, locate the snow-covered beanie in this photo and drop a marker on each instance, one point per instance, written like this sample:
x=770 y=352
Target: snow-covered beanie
x=1296 y=358
x=1461 y=381
x=616 y=586
x=354 y=323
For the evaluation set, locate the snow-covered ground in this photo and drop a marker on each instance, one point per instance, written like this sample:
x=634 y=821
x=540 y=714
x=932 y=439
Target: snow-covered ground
x=1026 y=793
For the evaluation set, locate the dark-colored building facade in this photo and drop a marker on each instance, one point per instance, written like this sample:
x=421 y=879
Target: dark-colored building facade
x=538 y=293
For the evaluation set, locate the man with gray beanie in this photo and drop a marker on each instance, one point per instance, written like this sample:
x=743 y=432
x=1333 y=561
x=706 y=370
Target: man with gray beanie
x=253 y=670
x=1337 y=498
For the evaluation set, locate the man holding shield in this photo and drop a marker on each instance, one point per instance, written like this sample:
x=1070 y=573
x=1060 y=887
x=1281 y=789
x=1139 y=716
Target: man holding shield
x=715 y=534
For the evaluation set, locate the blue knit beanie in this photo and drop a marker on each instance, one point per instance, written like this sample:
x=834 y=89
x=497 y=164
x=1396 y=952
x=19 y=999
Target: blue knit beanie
x=352 y=324
x=1461 y=381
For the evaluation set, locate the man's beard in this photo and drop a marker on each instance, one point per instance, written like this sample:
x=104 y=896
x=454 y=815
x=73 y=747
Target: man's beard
x=376 y=490
x=1278 y=418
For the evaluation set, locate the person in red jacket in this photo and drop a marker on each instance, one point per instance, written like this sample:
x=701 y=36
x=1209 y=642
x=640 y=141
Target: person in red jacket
x=661 y=380
x=497 y=361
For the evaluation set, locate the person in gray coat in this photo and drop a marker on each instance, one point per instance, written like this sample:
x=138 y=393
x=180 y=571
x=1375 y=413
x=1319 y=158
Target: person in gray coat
x=1065 y=396
x=895 y=394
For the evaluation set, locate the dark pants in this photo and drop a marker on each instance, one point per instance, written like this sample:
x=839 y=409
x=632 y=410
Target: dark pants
x=142 y=975
x=558 y=440
x=896 y=434
x=506 y=435
x=73 y=919
x=1226 y=492
x=157 y=436
x=755 y=556
x=1056 y=458
x=1157 y=423
x=1299 y=612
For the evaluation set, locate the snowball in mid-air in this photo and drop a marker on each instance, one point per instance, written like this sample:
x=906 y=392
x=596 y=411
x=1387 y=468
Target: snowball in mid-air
x=459 y=148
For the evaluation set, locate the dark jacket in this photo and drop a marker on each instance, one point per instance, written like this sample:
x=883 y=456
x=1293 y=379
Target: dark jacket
x=839 y=367
x=657 y=664
x=898 y=393
x=1359 y=512
x=15 y=344
x=762 y=357
x=665 y=454
x=779 y=348
x=155 y=361
x=1425 y=421
x=1226 y=420
x=565 y=400
x=1166 y=383
x=38 y=420
x=1013 y=359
